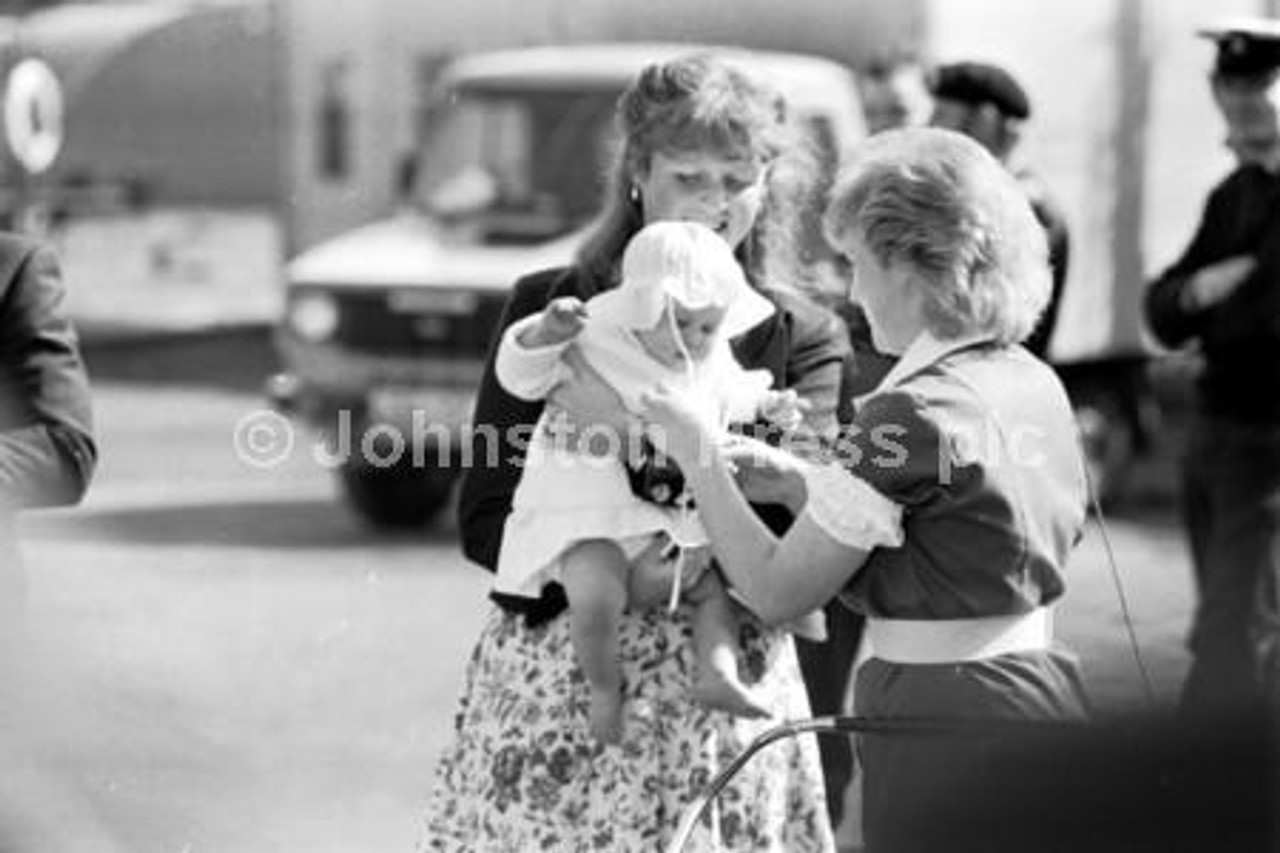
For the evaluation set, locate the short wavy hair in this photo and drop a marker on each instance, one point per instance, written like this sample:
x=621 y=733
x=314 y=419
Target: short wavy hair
x=710 y=101
x=938 y=201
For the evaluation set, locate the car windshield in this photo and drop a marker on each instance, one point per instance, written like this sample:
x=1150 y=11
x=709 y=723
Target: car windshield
x=514 y=165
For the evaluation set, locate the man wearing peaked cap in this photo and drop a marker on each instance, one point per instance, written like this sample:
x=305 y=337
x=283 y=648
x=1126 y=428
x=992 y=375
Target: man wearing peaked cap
x=47 y=450
x=1222 y=297
x=1244 y=69
x=1246 y=46
x=987 y=103
x=978 y=83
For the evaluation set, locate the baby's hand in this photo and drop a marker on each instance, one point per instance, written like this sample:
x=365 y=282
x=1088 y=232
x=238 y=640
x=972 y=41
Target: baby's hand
x=785 y=408
x=561 y=321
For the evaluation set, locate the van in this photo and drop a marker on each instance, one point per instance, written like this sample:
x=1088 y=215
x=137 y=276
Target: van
x=386 y=328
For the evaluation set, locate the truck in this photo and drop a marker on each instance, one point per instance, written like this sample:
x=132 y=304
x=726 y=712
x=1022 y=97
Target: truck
x=207 y=143
x=386 y=329
x=187 y=149
x=161 y=189
x=1096 y=137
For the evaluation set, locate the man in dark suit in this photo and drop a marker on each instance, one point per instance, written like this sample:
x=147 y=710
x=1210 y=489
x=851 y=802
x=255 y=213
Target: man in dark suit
x=986 y=103
x=47 y=456
x=47 y=453
x=1222 y=296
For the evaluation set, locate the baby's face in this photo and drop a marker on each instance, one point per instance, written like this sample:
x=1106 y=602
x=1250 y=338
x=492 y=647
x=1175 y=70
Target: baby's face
x=697 y=329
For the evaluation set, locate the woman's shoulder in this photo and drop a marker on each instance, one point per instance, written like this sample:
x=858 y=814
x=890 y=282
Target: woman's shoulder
x=936 y=403
x=898 y=445
x=549 y=282
x=901 y=415
x=800 y=322
x=899 y=402
x=793 y=303
x=994 y=378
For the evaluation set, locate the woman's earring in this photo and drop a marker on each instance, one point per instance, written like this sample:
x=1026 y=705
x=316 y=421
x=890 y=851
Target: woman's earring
x=633 y=195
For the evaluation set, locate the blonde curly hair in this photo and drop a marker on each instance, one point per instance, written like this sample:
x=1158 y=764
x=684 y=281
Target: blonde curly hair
x=938 y=201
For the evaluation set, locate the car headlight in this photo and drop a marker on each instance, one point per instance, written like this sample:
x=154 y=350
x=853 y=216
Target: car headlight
x=313 y=316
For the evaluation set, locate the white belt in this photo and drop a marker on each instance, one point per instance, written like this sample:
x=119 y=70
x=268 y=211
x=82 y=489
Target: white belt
x=957 y=640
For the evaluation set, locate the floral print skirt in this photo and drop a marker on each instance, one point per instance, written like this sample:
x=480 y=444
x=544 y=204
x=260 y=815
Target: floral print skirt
x=523 y=772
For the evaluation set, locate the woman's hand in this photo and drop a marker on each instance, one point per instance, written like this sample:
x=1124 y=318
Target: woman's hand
x=675 y=428
x=766 y=474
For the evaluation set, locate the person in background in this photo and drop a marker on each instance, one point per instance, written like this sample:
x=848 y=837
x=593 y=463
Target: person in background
x=893 y=91
x=1222 y=296
x=47 y=450
x=947 y=510
x=701 y=139
x=47 y=458
x=985 y=102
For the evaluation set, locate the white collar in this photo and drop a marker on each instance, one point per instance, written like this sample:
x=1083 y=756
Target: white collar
x=924 y=350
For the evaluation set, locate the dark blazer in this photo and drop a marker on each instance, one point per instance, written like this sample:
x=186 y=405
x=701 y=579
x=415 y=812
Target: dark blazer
x=1239 y=337
x=1056 y=232
x=47 y=453
x=803 y=345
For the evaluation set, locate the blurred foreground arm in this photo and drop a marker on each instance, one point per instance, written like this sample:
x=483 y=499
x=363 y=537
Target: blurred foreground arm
x=47 y=452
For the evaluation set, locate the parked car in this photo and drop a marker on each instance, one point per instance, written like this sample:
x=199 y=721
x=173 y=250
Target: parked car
x=386 y=328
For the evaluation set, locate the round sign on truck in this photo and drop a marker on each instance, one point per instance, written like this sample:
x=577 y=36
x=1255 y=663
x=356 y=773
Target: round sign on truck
x=33 y=114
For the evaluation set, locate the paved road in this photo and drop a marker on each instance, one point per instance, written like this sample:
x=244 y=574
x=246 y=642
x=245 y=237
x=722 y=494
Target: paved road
x=223 y=659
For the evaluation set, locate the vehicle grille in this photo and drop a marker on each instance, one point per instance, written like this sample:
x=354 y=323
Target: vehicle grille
x=450 y=323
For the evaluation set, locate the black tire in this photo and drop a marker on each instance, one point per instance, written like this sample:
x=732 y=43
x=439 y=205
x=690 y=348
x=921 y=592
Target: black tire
x=397 y=497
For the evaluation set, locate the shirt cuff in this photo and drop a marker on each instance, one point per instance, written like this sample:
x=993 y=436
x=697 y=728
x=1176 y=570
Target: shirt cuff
x=849 y=510
x=529 y=372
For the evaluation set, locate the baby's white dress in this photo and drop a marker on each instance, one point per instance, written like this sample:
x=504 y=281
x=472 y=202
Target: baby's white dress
x=565 y=496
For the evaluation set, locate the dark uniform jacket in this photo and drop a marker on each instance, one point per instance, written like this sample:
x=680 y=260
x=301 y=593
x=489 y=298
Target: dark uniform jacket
x=1239 y=337
x=803 y=345
x=47 y=454
x=1058 y=236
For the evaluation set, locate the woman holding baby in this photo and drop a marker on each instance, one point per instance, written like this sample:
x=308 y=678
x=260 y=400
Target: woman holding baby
x=540 y=759
x=955 y=557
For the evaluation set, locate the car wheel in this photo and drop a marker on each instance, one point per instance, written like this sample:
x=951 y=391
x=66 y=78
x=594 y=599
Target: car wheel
x=398 y=496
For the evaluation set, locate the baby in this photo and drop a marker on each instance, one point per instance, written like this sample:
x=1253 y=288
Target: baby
x=575 y=517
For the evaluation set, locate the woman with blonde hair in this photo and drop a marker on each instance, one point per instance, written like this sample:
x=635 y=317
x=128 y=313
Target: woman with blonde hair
x=946 y=511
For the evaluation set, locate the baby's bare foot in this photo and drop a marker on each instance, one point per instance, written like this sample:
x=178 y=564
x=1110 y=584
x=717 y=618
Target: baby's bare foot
x=724 y=693
x=606 y=715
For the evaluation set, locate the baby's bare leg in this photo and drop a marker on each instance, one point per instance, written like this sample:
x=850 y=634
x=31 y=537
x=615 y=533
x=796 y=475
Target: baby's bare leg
x=715 y=642
x=594 y=574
